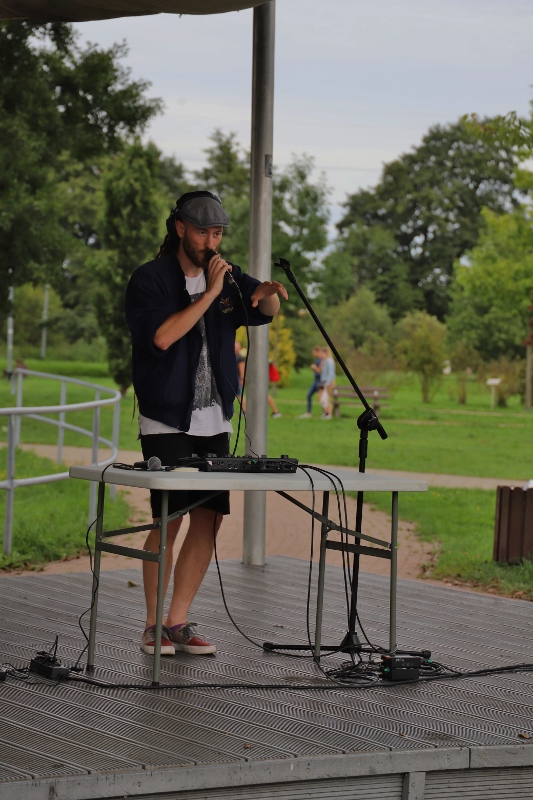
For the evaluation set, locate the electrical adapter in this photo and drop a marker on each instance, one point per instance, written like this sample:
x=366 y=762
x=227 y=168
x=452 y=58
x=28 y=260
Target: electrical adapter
x=3 y=673
x=49 y=667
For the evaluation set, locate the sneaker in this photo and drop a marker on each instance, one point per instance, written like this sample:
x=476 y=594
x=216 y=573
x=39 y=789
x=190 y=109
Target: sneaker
x=326 y=416
x=148 y=642
x=305 y=416
x=186 y=640
x=277 y=415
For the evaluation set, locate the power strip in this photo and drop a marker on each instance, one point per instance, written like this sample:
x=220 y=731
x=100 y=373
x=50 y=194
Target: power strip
x=49 y=667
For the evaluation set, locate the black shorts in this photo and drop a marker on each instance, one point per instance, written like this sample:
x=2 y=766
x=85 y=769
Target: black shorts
x=169 y=447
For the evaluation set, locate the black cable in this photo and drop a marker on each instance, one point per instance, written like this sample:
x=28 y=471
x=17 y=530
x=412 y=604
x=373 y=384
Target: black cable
x=242 y=413
x=512 y=668
x=230 y=616
x=96 y=581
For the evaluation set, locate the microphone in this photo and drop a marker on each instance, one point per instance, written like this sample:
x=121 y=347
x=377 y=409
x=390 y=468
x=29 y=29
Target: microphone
x=153 y=464
x=227 y=275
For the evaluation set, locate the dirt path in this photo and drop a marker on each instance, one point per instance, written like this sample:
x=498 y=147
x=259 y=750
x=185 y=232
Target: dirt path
x=288 y=528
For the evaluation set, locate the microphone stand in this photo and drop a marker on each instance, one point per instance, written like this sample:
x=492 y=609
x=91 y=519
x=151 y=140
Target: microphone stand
x=366 y=422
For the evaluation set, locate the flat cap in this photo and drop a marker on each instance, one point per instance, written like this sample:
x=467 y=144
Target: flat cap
x=204 y=212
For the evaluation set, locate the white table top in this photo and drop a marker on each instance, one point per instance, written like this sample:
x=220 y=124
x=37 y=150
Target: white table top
x=238 y=481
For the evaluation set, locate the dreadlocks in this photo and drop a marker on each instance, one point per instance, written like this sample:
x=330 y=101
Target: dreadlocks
x=171 y=241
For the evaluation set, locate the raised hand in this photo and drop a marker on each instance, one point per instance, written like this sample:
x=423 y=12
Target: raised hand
x=268 y=289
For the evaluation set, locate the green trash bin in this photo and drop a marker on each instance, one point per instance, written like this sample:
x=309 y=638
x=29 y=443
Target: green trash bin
x=513 y=528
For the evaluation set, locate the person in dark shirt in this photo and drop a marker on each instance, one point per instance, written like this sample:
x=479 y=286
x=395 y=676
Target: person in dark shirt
x=315 y=386
x=183 y=314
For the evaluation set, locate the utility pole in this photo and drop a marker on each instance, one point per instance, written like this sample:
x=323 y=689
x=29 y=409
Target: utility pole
x=260 y=257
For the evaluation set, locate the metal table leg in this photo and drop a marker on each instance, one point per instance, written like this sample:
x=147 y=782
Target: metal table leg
x=324 y=530
x=96 y=577
x=160 y=588
x=393 y=573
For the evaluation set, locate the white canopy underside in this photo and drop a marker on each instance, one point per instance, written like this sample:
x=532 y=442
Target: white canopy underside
x=83 y=10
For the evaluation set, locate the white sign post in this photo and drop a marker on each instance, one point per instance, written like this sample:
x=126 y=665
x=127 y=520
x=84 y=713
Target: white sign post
x=493 y=383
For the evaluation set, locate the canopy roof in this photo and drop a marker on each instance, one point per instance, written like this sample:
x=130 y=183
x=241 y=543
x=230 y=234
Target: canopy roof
x=83 y=10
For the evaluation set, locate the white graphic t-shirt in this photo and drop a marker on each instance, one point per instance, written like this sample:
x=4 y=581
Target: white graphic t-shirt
x=207 y=415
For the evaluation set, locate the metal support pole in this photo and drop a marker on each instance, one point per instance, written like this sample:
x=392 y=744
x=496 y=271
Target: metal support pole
x=114 y=439
x=96 y=576
x=10 y=491
x=393 y=573
x=260 y=253
x=95 y=438
x=321 y=575
x=10 y=330
x=160 y=589
x=18 y=403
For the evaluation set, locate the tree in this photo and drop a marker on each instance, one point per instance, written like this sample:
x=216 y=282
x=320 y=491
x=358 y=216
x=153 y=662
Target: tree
x=131 y=229
x=421 y=344
x=363 y=256
x=299 y=218
x=355 y=321
x=429 y=201
x=491 y=297
x=300 y=213
x=55 y=98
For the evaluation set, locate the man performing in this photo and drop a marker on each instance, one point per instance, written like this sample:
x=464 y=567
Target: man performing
x=183 y=312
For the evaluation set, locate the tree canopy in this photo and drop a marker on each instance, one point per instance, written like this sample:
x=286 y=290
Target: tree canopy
x=403 y=236
x=492 y=294
x=59 y=102
x=131 y=229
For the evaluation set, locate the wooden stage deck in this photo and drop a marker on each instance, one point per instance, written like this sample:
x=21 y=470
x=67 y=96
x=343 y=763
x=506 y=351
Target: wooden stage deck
x=445 y=740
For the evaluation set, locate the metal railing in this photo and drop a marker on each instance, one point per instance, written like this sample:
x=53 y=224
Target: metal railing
x=15 y=415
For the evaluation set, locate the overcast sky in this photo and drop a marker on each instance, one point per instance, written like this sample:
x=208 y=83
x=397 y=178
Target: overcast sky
x=358 y=82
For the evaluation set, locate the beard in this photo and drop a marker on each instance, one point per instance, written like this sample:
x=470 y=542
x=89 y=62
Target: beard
x=196 y=255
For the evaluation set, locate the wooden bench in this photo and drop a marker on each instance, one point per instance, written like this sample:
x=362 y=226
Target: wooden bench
x=374 y=395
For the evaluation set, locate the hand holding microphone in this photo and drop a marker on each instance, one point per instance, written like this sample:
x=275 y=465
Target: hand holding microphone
x=227 y=274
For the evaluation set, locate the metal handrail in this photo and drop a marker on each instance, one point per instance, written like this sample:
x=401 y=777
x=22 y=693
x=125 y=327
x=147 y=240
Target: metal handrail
x=18 y=411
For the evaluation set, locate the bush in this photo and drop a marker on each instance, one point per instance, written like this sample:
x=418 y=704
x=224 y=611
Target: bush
x=421 y=345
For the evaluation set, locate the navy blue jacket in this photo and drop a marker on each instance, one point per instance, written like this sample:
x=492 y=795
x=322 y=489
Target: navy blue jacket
x=164 y=379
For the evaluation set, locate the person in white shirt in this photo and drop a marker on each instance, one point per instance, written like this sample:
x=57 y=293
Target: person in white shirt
x=327 y=382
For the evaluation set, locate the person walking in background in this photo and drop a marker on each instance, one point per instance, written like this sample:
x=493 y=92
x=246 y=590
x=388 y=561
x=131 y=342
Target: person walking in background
x=327 y=382
x=273 y=378
x=315 y=386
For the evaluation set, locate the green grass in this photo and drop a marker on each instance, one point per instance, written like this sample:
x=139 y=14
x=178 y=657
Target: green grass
x=440 y=437
x=460 y=523
x=50 y=520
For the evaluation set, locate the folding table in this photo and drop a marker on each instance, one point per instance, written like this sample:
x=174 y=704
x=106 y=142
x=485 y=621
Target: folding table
x=214 y=482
